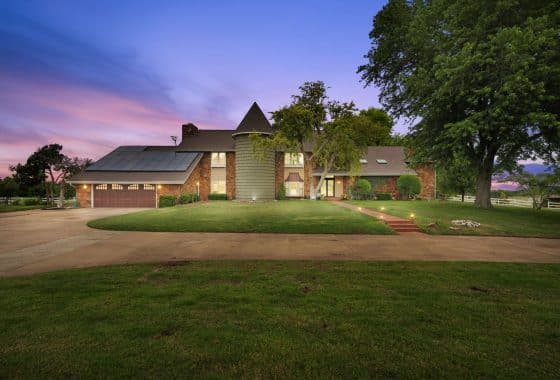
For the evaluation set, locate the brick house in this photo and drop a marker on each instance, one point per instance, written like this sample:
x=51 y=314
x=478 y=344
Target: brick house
x=223 y=162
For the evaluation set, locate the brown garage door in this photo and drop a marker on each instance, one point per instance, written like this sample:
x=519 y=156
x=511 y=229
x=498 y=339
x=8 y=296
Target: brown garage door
x=116 y=195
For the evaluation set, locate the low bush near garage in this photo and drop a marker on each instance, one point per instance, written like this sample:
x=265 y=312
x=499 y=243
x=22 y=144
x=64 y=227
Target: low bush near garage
x=167 y=201
x=217 y=197
x=188 y=198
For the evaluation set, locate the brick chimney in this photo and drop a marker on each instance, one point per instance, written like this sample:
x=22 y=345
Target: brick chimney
x=189 y=130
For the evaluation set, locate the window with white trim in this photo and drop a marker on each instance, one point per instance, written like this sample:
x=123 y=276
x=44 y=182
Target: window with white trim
x=294 y=189
x=218 y=160
x=148 y=186
x=381 y=161
x=102 y=186
x=293 y=160
x=116 y=186
x=133 y=186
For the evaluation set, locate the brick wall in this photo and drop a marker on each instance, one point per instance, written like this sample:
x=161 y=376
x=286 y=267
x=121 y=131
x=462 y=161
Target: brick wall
x=308 y=175
x=279 y=172
x=230 y=175
x=390 y=186
x=200 y=174
x=83 y=196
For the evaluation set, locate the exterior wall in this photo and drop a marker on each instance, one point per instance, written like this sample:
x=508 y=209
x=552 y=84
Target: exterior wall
x=279 y=173
x=254 y=178
x=200 y=174
x=338 y=186
x=307 y=177
x=390 y=186
x=83 y=196
x=427 y=176
x=230 y=175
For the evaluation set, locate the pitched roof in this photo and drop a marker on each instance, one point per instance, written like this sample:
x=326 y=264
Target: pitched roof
x=135 y=164
x=394 y=156
x=254 y=121
x=213 y=140
x=294 y=177
x=138 y=158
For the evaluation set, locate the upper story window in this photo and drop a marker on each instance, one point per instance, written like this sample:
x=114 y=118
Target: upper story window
x=293 y=160
x=219 y=160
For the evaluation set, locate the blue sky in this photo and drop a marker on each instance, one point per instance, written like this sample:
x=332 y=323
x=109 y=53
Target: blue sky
x=95 y=75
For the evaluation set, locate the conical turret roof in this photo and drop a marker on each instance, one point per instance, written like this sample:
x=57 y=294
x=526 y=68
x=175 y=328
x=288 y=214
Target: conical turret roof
x=254 y=122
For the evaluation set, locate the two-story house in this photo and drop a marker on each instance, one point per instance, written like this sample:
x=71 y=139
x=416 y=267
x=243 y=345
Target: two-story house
x=223 y=162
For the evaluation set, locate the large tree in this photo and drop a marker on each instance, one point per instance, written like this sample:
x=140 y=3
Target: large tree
x=338 y=133
x=49 y=166
x=481 y=76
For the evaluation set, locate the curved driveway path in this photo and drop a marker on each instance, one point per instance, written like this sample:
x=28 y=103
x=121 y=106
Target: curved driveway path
x=39 y=241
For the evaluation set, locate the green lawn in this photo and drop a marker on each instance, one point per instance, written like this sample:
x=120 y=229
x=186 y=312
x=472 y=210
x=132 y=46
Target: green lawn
x=284 y=320
x=306 y=217
x=500 y=221
x=10 y=208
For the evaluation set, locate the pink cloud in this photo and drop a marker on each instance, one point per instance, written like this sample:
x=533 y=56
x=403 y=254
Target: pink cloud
x=87 y=122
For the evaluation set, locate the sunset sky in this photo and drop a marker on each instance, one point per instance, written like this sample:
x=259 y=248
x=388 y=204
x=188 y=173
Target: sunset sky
x=95 y=75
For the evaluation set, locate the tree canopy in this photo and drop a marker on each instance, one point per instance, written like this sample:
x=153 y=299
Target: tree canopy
x=481 y=76
x=338 y=132
x=48 y=166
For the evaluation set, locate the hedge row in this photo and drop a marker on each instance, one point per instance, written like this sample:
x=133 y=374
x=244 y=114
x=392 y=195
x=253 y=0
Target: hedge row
x=172 y=200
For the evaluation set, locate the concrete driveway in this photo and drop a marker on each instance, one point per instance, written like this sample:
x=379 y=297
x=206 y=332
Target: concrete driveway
x=39 y=241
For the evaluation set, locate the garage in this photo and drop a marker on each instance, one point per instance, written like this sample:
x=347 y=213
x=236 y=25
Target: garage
x=121 y=195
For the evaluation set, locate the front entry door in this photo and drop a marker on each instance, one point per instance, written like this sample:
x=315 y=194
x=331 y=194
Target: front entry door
x=329 y=187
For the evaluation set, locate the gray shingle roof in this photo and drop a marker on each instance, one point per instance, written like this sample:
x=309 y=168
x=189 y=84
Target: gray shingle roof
x=254 y=121
x=395 y=166
x=206 y=141
x=137 y=158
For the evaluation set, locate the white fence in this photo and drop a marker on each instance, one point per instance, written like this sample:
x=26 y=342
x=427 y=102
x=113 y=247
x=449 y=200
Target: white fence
x=506 y=202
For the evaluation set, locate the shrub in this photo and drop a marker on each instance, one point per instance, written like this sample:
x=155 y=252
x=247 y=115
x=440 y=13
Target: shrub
x=282 y=192
x=361 y=189
x=30 y=202
x=383 y=196
x=217 y=197
x=167 y=201
x=188 y=198
x=408 y=186
x=16 y=202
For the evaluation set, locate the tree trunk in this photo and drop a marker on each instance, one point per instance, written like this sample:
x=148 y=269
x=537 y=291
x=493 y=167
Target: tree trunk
x=462 y=195
x=483 y=186
x=61 y=195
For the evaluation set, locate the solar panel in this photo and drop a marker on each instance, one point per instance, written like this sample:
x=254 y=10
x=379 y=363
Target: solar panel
x=137 y=158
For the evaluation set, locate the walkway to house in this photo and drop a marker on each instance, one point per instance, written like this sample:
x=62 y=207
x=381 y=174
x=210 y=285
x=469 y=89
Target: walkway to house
x=42 y=241
x=400 y=225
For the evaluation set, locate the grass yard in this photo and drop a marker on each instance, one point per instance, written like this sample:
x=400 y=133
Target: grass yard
x=284 y=320
x=499 y=221
x=307 y=217
x=11 y=208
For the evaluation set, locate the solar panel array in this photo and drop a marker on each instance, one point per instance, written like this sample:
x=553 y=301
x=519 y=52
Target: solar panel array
x=137 y=158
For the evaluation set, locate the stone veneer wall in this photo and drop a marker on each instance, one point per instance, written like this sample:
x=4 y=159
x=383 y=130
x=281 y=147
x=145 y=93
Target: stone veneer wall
x=230 y=175
x=279 y=172
x=427 y=177
x=83 y=196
